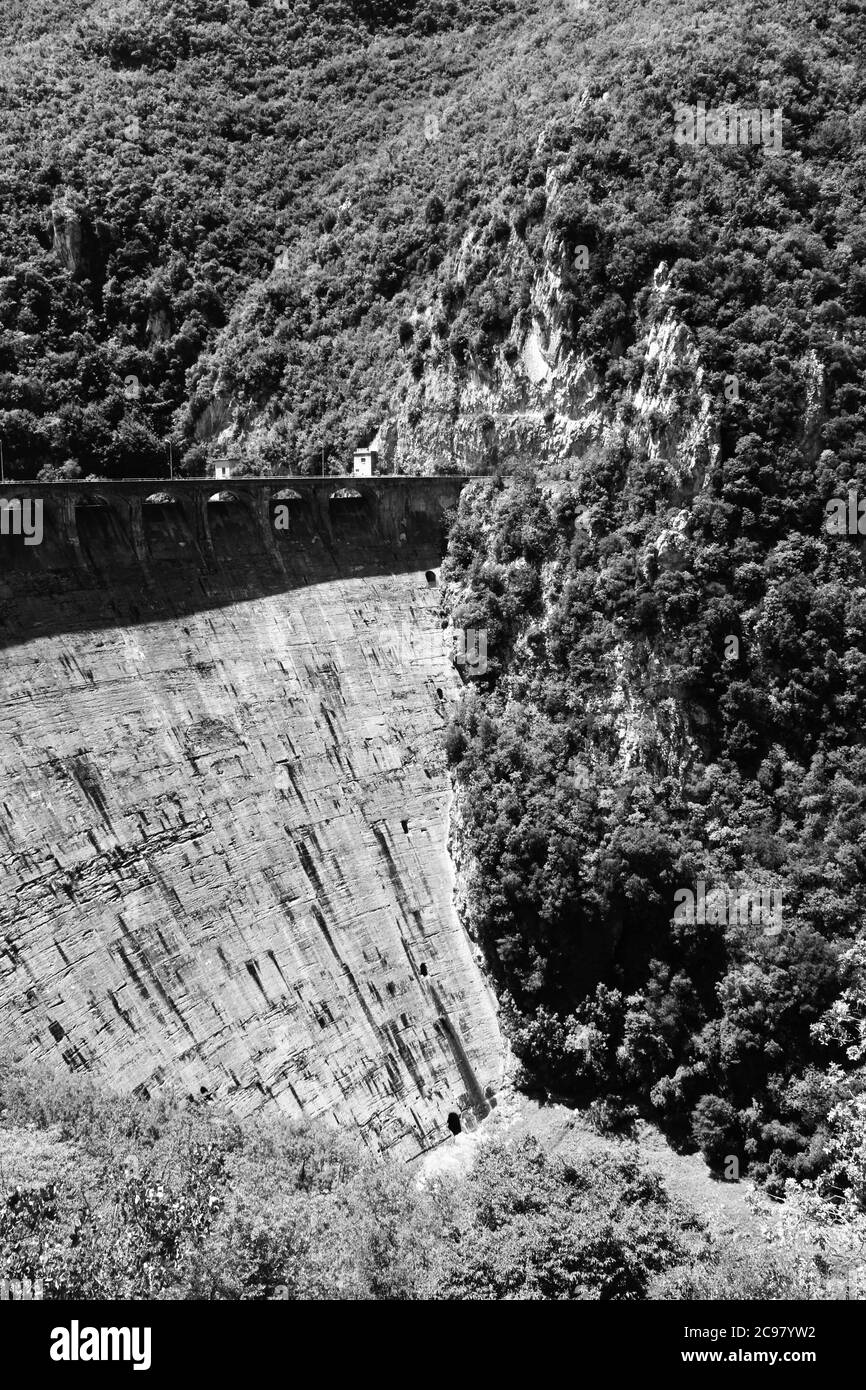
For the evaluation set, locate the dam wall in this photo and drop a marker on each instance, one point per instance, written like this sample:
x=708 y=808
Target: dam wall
x=224 y=801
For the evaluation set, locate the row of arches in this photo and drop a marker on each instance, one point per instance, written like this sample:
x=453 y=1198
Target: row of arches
x=168 y=511
x=165 y=520
x=167 y=495
x=224 y=496
x=157 y=520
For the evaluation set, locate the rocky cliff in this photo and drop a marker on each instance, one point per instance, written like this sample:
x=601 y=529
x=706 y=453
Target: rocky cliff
x=224 y=820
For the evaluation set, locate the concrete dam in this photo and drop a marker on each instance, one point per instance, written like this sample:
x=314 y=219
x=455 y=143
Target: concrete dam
x=224 y=805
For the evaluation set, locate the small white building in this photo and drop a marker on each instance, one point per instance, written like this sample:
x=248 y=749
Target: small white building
x=365 y=463
x=223 y=471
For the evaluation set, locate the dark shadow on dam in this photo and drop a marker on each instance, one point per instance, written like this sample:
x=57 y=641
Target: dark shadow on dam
x=103 y=562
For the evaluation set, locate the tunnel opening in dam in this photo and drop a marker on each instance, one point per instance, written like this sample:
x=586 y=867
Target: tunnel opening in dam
x=231 y=523
x=288 y=511
x=208 y=759
x=165 y=525
x=102 y=533
x=350 y=513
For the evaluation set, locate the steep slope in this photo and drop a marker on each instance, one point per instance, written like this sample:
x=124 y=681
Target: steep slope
x=475 y=233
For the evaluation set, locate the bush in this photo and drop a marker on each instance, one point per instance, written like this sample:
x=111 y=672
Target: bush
x=716 y=1130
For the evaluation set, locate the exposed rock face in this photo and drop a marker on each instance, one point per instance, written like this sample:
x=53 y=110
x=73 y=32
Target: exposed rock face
x=223 y=829
x=537 y=401
x=66 y=229
x=159 y=325
x=540 y=402
x=816 y=405
x=674 y=419
x=529 y=397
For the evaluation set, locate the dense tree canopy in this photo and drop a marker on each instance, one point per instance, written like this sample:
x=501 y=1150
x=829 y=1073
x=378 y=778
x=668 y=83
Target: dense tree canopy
x=218 y=213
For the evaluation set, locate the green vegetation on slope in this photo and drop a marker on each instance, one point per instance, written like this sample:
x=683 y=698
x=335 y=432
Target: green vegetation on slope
x=168 y=1199
x=183 y=144
x=181 y=148
x=749 y=771
x=243 y=207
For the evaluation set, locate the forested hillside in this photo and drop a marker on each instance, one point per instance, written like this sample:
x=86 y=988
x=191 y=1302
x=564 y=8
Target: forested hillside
x=161 y=159
x=260 y=227
x=676 y=642
x=273 y=228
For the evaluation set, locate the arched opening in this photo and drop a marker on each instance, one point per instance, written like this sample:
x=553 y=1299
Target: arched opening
x=166 y=529
x=231 y=524
x=430 y=576
x=285 y=508
x=101 y=532
x=454 y=1122
x=348 y=509
x=91 y=504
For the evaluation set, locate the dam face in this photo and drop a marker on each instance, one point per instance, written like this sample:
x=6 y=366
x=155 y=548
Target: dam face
x=224 y=802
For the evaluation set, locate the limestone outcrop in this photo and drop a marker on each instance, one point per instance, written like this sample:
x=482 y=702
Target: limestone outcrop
x=67 y=236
